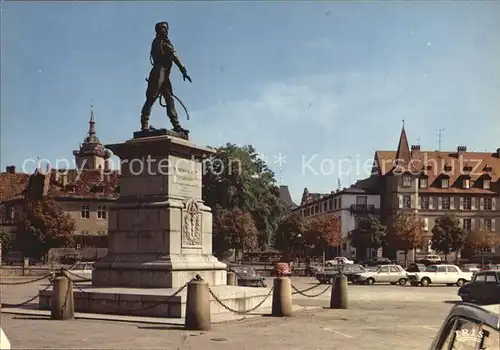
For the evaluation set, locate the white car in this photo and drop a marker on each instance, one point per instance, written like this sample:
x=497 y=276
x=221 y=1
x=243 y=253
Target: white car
x=440 y=274
x=81 y=271
x=431 y=258
x=340 y=260
x=392 y=274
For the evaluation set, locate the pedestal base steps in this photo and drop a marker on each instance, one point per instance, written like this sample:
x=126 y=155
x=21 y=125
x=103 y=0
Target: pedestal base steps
x=158 y=302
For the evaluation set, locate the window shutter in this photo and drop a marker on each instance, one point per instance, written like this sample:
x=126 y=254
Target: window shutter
x=472 y=224
x=493 y=204
x=473 y=203
x=481 y=224
x=461 y=222
x=481 y=203
x=431 y=202
x=419 y=202
x=461 y=207
x=426 y=224
x=493 y=223
x=440 y=203
x=400 y=198
x=452 y=203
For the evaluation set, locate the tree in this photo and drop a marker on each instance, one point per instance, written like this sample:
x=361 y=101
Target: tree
x=236 y=177
x=324 y=232
x=41 y=226
x=447 y=235
x=7 y=240
x=407 y=233
x=291 y=228
x=235 y=229
x=480 y=240
x=370 y=234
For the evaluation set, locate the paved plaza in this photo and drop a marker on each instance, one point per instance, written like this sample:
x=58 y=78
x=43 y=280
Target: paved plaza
x=379 y=317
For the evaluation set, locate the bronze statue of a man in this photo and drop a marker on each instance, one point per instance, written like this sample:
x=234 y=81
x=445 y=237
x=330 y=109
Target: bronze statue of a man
x=163 y=54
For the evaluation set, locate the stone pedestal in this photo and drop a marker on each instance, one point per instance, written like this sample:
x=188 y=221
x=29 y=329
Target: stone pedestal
x=159 y=230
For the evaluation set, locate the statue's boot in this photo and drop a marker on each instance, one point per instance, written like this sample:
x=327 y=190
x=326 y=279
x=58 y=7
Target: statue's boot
x=144 y=122
x=174 y=119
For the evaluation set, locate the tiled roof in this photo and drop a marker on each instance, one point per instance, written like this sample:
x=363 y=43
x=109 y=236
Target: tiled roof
x=12 y=185
x=286 y=196
x=436 y=164
x=83 y=184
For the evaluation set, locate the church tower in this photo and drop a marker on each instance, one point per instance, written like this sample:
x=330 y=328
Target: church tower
x=92 y=155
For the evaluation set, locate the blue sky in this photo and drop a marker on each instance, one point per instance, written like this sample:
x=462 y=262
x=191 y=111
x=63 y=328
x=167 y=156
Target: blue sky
x=297 y=78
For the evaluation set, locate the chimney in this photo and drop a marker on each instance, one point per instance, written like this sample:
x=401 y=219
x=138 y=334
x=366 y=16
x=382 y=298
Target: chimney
x=461 y=150
x=415 y=151
x=10 y=169
x=498 y=152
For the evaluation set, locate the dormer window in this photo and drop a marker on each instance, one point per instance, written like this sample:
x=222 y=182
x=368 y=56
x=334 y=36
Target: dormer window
x=423 y=182
x=445 y=183
x=466 y=183
x=467 y=168
x=486 y=184
x=99 y=188
x=447 y=167
x=406 y=181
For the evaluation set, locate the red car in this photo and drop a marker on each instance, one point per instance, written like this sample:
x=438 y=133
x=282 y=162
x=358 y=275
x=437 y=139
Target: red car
x=282 y=269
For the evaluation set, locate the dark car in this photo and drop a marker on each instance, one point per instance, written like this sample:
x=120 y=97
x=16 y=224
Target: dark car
x=484 y=288
x=70 y=259
x=469 y=326
x=377 y=261
x=247 y=277
x=416 y=268
x=14 y=258
x=348 y=270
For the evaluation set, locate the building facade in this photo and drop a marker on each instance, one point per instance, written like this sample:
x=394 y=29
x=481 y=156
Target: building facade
x=84 y=193
x=349 y=206
x=427 y=183
x=433 y=183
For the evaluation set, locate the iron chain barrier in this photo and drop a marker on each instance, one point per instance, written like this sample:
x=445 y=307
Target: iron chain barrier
x=149 y=307
x=230 y=309
x=302 y=292
x=27 y=301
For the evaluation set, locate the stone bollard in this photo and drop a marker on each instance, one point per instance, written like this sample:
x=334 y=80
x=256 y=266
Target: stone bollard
x=282 y=297
x=62 y=303
x=198 y=306
x=231 y=279
x=338 y=298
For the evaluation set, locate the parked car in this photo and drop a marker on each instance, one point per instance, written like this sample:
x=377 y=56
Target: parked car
x=70 y=259
x=484 y=288
x=440 y=274
x=430 y=259
x=247 y=277
x=377 y=261
x=14 y=258
x=416 y=268
x=470 y=268
x=384 y=274
x=469 y=326
x=82 y=270
x=340 y=260
x=282 y=269
x=490 y=267
x=348 y=270
x=312 y=271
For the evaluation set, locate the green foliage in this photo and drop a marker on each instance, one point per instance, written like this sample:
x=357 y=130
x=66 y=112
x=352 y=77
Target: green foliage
x=447 y=235
x=236 y=229
x=290 y=228
x=235 y=177
x=8 y=240
x=370 y=233
x=42 y=226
